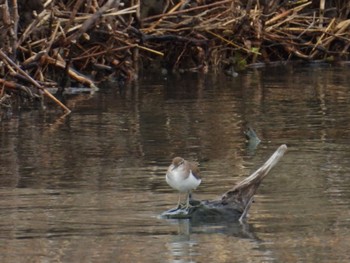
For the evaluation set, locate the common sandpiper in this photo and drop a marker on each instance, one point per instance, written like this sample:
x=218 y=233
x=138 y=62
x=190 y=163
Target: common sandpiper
x=183 y=176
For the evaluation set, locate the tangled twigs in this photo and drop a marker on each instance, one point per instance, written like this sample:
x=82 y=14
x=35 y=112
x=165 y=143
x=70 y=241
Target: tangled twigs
x=92 y=20
x=255 y=31
x=60 y=39
x=35 y=83
x=111 y=39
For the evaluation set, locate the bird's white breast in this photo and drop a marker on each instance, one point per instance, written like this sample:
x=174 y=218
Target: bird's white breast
x=181 y=180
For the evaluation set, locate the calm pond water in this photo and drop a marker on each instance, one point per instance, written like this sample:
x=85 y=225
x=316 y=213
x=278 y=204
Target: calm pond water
x=90 y=187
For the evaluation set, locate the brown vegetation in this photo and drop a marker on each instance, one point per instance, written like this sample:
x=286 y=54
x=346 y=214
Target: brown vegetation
x=52 y=43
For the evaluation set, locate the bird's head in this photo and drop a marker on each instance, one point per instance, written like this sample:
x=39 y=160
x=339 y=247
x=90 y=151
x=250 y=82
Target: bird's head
x=177 y=161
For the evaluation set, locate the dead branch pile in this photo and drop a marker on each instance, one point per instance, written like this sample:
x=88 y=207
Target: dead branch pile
x=222 y=33
x=54 y=43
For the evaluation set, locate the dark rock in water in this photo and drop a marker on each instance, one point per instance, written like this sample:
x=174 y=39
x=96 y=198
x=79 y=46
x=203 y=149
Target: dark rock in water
x=253 y=140
x=250 y=135
x=234 y=204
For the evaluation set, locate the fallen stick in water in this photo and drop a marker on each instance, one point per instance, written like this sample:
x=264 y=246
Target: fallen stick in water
x=235 y=203
x=33 y=81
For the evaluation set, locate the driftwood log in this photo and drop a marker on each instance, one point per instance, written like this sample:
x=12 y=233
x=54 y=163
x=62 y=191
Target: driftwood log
x=232 y=205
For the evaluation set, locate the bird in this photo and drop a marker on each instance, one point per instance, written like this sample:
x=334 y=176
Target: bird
x=183 y=176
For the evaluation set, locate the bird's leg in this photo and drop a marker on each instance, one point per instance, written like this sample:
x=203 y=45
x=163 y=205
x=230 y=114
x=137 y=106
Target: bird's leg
x=178 y=203
x=189 y=196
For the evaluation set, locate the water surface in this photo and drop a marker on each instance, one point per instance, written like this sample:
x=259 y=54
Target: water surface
x=90 y=187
